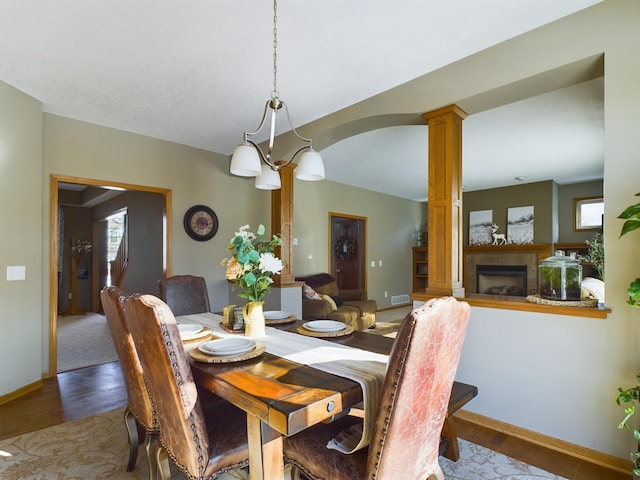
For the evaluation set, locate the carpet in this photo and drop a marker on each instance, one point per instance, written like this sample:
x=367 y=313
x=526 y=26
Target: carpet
x=96 y=448
x=84 y=340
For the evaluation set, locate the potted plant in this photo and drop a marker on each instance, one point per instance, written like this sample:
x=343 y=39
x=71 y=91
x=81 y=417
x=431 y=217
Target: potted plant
x=628 y=397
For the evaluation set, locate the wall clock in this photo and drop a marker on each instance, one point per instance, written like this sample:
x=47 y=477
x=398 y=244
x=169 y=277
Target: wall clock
x=201 y=223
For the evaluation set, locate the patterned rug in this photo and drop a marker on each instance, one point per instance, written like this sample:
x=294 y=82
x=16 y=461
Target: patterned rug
x=96 y=448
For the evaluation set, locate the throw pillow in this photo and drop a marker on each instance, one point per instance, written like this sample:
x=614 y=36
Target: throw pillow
x=331 y=302
x=309 y=293
x=339 y=300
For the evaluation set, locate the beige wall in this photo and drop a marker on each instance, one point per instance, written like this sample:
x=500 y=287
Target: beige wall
x=21 y=302
x=391 y=225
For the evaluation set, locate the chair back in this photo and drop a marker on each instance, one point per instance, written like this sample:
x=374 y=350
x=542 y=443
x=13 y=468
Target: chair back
x=167 y=373
x=185 y=294
x=416 y=390
x=139 y=402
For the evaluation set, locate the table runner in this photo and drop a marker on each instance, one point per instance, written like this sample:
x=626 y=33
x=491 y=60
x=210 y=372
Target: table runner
x=366 y=368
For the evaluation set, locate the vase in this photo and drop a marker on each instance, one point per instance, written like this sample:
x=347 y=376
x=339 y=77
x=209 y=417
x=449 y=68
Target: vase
x=254 y=324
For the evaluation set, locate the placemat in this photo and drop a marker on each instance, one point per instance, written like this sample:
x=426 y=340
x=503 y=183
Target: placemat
x=340 y=333
x=201 y=335
x=201 y=357
x=278 y=321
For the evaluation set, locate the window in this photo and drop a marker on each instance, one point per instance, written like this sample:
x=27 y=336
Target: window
x=588 y=213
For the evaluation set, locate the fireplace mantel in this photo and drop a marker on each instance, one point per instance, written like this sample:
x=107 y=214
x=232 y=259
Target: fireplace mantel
x=543 y=250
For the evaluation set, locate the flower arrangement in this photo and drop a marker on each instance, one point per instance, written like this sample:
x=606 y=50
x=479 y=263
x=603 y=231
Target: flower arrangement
x=253 y=262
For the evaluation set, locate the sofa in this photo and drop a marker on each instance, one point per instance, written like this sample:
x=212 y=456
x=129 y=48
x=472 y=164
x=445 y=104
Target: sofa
x=323 y=299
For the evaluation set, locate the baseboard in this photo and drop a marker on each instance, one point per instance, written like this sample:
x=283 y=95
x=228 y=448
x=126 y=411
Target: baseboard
x=32 y=387
x=566 y=448
x=395 y=307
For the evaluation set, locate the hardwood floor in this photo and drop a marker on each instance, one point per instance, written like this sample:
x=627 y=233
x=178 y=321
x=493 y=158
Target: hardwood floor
x=88 y=391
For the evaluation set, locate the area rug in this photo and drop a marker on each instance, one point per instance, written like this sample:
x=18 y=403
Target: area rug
x=83 y=341
x=96 y=448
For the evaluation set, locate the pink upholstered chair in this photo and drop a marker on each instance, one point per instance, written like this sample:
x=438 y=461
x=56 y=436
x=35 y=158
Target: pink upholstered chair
x=185 y=294
x=413 y=405
x=139 y=409
x=203 y=439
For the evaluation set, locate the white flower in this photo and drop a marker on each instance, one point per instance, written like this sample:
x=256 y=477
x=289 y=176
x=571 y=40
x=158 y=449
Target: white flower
x=270 y=263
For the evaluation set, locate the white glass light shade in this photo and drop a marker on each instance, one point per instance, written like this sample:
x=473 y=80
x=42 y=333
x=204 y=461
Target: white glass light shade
x=310 y=167
x=245 y=161
x=268 y=179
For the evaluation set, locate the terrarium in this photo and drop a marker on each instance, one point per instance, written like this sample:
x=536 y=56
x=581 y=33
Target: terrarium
x=560 y=277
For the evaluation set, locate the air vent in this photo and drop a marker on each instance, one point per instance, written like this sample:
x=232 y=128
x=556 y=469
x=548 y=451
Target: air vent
x=399 y=299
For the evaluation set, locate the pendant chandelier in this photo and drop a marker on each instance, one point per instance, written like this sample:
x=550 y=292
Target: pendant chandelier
x=248 y=160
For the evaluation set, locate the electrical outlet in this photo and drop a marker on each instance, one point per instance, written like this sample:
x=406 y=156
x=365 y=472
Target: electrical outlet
x=379 y=263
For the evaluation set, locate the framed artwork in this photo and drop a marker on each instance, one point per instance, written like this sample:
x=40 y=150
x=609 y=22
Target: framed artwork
x=588 y=213
x=520 y=225
x=480 y=222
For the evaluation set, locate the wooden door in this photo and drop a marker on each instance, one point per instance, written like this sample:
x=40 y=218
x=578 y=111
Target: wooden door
x=348 y=250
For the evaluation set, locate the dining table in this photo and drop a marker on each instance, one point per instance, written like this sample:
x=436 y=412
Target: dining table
x=294 y=380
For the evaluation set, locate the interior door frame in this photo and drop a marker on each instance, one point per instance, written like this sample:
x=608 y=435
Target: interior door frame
x=365 y=254
x=54 y=182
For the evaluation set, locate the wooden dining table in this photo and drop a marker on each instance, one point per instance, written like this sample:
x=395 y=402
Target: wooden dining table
x=282 y=397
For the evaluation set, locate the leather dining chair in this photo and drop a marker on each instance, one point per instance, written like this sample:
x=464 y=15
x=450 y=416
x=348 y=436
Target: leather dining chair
x=412 y=408
x=202 y=438
x=139 y=410
x=185 y=294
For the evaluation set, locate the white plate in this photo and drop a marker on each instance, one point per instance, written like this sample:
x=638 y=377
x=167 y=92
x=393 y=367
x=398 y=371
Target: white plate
x=324 y=326
x=189 y=328
x=223 y=347
x=276 y=315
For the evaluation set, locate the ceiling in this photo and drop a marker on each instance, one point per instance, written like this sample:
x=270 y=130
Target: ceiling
x=199 y=74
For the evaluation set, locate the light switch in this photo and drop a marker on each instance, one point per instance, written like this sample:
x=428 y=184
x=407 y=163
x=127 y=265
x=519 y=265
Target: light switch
x=373 y=263
x=16 y=273
x=295 y=241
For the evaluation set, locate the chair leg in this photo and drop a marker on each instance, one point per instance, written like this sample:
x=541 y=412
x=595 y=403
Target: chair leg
x=162 y=464
x=132 y=429
x=152 y=446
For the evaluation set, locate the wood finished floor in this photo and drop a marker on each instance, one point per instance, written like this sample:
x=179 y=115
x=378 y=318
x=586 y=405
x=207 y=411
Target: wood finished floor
x=88 y=391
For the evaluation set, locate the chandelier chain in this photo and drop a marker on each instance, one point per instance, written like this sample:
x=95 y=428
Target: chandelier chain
x=275 y=49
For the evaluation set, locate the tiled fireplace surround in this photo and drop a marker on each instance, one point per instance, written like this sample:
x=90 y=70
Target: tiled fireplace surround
x=528 y=254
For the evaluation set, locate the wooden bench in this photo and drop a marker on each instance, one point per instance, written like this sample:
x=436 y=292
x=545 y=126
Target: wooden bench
x=461 y=393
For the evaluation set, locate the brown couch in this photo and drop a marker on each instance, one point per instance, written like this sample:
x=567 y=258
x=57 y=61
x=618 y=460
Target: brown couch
x=348 y=306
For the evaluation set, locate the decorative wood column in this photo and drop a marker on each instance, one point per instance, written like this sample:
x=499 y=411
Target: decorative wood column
x=282 y=222
x=445 y=201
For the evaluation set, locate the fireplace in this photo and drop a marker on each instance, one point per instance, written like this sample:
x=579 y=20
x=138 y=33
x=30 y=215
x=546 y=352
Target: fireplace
x=508 y=280
x=526 y=257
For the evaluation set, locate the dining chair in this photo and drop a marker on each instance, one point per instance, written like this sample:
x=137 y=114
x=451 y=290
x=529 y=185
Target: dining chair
x=185 y=294
x=412 y=408
x=202 y=438
x=139 y=410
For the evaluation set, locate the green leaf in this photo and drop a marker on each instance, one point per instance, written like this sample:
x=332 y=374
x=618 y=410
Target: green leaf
x=629 y=226
x=632 y=211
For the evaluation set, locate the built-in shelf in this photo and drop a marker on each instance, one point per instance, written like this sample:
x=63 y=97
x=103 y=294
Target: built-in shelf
x=420 y=274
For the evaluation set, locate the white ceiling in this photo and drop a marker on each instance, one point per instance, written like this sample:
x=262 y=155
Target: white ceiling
x=199 y=73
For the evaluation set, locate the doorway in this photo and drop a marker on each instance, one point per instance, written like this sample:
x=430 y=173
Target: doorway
x=348 y=250
x=54 y=259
